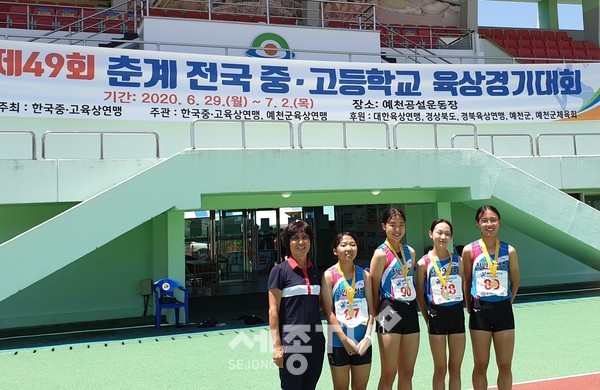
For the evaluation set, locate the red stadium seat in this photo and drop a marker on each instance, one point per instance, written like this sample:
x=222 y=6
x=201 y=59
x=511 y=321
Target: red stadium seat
x=524 y=34
x=510 y=33
x=568 y=54
x=19 y=16
x=113 y=22
x=497 y=33
x=524 y=52
x=42 y=17
x=92 y=21
x=67 y=16
x=563 y=36
x=156 y=12
x=581 y=54
x=553 y=53
x=174 y=13
x=541 y=44
x=537 y=34
x=549 y=35
x=484 y=32
x=539 y=52
x=564 y=45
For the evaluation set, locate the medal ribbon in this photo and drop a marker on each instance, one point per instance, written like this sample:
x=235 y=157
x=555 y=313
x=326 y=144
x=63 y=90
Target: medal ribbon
x=403 y=262
x=492 y=265
x=438 y=271
x=350 y=289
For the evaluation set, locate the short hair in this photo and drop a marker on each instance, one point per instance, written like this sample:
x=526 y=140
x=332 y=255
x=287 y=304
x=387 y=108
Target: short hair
x=292 y=229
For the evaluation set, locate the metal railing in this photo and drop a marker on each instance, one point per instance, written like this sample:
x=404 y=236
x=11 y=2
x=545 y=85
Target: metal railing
x=242 y=129
x=492 y=136
x=534 y=148
x=345 y=130
x=101 y=134
x=23 y=132
x=572 y=135
x=435 y=131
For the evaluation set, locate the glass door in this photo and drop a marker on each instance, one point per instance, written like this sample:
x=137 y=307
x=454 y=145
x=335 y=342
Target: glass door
x=230 y=243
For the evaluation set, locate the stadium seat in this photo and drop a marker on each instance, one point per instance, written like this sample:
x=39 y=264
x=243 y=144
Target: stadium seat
x=18 y=17
x=581 y=54
x=524 y=34
x=67 y=16
x=549 y=35
x=225 y=17
x=174 y=13
x=196 y=15
x=594 y=54
x=553 y=53
x=524 y=52
x=567 y=54
x=92 y=21
x=564 y=45
x=156 y=12
x=579 y=45
x=42 y=17
x=539 y=52
x=563 y=36
x=536 y=43
x=513 y=51
x=113 y=22
x=497 y=33
x=511 y=43
x=484 y=32
x=537 y=34
x=242 y=18
x=510 y=33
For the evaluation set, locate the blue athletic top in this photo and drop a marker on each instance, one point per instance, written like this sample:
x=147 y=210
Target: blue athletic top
x=392 y=276
x=491 y=289
x=431 y=273
x=340 y=297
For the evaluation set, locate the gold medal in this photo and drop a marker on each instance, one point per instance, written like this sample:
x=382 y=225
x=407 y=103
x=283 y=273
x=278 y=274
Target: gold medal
x=445 y=293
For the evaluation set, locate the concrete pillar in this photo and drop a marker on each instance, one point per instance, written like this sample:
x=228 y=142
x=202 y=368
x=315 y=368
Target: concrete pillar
x=468 y=15
x=591 y=20
x=548 y=14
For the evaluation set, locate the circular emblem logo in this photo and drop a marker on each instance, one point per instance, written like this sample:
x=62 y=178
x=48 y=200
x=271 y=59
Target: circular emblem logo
x=270 y=45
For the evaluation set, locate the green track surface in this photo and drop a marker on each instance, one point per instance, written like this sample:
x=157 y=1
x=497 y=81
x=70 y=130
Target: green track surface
x=554 y=338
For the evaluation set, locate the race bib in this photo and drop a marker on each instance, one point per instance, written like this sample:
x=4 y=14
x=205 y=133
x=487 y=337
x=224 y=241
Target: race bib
x=488 y=285
x=450 y=293
x=352 y=315
x=404 y=289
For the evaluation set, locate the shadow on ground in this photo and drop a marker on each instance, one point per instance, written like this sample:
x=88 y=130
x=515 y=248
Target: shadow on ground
x=206 y=314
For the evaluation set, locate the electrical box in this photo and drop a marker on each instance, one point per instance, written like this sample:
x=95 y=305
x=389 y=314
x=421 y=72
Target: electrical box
x=146 y=287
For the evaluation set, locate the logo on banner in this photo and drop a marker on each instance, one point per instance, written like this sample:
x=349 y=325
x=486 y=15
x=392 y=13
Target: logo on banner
x=270 y=45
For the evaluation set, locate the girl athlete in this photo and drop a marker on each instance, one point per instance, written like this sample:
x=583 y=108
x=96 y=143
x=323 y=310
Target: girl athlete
x=348 y=306
x=440 y=296
x=392 y=272
x=492 y=274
